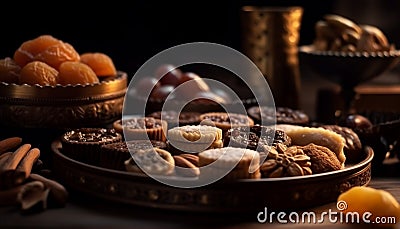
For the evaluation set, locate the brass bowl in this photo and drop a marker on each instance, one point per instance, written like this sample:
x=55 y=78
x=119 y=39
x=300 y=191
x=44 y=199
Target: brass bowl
x=348 y=68
x=26 y=106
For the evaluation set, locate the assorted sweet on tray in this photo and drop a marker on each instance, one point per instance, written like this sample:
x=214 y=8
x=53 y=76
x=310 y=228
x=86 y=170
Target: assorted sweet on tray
x=49 y=61
x=293 y=147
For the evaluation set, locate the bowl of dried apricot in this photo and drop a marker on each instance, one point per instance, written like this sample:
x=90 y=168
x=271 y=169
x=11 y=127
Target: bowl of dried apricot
x=46 y=83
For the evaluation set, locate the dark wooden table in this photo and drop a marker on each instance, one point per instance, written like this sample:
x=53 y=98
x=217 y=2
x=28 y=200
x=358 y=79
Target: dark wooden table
x=86 y=212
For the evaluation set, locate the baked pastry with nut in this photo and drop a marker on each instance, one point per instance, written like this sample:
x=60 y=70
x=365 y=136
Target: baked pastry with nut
x=302 y=136
x=283 y=161
x=322 y=158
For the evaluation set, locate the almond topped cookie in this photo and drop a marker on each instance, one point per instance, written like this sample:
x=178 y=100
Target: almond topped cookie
x=154 y=161
x=194 y=138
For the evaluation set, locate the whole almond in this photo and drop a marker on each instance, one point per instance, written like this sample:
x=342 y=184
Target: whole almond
x=194 y=159
x=185 y=167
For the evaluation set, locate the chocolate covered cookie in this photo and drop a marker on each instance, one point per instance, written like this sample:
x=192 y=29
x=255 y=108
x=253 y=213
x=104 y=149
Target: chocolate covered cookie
x=84 y=144
x=142 y=128
x=113 y=155
x=255 y=137
x=174 y=118
x=352 y=147
x=280 y=115
x=225 y=121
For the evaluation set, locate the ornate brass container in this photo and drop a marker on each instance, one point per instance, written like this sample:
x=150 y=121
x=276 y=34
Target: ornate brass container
x=25 y=106
x=270 y=36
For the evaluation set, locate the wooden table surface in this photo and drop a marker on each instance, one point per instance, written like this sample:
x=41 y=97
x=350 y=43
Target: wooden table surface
x=87 y=212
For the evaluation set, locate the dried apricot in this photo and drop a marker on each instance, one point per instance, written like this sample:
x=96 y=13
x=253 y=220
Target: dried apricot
x=72 y=72
x=101 y=63
x=57 y=54
x=375 y=204
x=30 y=48
x=9 y=70
x=37 y=72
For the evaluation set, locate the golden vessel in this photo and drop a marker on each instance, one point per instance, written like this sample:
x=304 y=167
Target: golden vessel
x=26 y=106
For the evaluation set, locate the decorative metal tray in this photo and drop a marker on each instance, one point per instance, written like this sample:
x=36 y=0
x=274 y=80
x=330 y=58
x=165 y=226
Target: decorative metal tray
x=26 y=106
x=247 y=195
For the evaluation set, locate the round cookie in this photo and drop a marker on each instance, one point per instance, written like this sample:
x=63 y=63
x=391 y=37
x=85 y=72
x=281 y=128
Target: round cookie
x=142 y=128
x=84 y=144
x=174 y=118
x=236 y=163
x=352 y=147
x=322 y=158
x=225 y=121
x=154 y=161
x=280 y=115
x=115 y=154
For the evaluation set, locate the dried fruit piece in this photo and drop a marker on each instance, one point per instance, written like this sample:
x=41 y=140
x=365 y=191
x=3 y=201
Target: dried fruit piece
x=9 y=70
x=73 y=73
x=364 y=200
x=29 y=49
x=56 y=54
x=101 y=63
x=37 y=72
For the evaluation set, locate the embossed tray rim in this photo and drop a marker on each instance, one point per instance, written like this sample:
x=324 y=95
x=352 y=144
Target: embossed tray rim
x=234 y=190
x=33 y=93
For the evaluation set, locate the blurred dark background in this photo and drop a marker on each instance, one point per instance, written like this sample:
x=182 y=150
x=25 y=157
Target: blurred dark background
x=133 y=31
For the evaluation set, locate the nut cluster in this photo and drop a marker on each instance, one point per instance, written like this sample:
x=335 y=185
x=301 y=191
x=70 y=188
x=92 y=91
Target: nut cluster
x=19 y=184
x=337 y=33
x=284 y=161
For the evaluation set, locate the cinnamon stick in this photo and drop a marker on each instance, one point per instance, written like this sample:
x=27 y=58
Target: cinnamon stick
x=28 y=161
x=12 y=161
x=8 y=164
x=4 y=157
x=9 y=144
